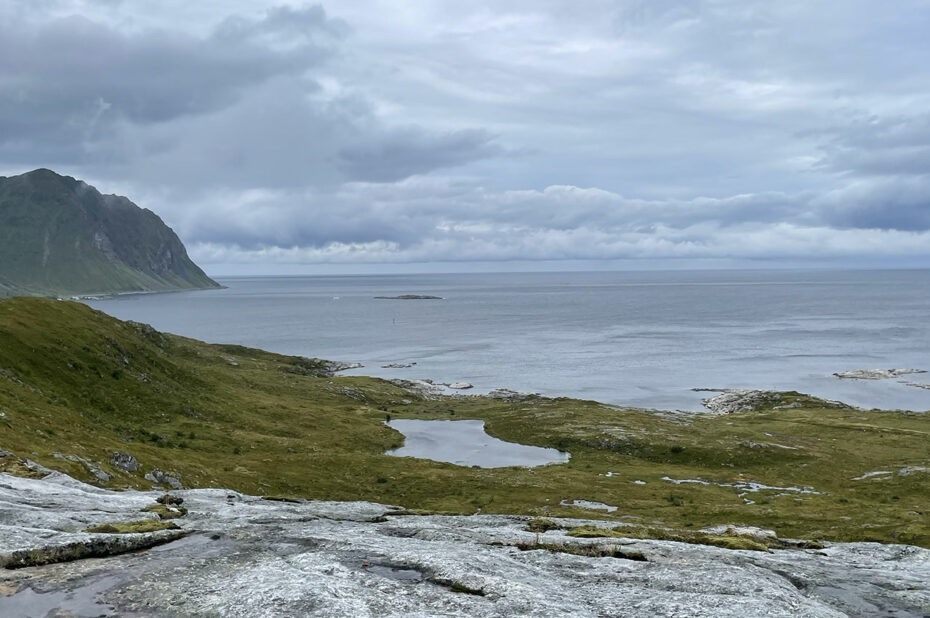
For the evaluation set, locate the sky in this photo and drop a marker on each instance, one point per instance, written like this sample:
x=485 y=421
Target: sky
x=376 y=136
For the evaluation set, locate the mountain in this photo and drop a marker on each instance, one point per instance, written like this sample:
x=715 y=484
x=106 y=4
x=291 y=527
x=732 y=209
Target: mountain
x=60 y=236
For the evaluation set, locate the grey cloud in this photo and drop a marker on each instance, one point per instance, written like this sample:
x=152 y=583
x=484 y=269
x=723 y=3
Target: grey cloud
x=70 y=84
x=700 y=242
x=279 y=137
x=54 y=72
x=898 y=145
x=423 y=219
x=699 y=127
x=301 y=219
x=884 y=203
x=284 y=27
x=421 y=212
x=885 y=162
x=237 y=107
x=404 y=152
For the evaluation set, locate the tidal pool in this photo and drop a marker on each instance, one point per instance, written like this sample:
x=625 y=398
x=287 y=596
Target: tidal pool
x=466 y=444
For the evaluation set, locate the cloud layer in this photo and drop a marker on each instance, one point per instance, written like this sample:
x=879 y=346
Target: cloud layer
x=516 y=130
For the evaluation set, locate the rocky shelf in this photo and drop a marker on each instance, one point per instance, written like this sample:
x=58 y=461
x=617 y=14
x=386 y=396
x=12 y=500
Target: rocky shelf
x=733 y=400
x=243 y=555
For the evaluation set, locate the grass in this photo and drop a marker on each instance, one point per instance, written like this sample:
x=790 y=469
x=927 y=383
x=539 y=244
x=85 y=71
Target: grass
x=17 y=467
x=78 y=382
x=290 y=499
x=539 y=525
x=462 y=588
x=131 y=527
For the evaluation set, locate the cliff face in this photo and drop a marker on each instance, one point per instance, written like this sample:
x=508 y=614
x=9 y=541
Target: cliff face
x=61 y=236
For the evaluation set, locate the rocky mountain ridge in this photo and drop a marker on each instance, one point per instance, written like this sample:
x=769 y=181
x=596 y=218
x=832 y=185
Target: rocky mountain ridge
x=61 y=237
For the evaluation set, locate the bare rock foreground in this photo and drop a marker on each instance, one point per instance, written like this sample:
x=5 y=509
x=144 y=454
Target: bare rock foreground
x=238 y=555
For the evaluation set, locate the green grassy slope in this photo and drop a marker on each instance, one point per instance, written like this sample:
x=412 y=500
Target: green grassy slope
x=77 y=382
x=59 y=236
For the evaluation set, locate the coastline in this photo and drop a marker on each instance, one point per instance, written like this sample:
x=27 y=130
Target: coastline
x=147 y=450
x=556 y=333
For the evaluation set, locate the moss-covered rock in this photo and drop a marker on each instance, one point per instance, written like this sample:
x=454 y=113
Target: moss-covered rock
x=132 y=527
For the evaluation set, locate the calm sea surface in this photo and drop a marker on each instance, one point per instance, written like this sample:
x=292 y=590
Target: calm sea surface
x=635 y=338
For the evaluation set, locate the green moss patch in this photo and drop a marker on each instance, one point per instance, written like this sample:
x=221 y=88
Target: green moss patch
x=96 y=547
x=16 y=466
x=541 y=525
x=462 y=588
x=288 y=499
x=130 y=527
x=591 y=551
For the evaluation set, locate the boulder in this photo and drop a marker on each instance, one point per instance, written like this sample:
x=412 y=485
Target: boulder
x=124 y=461
x=163 y=478
x=92 y=467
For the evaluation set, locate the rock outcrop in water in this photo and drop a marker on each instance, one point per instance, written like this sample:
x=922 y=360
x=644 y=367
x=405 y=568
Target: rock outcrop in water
x=242 y=555
x=735 y=400
x=461 y=386
x=876 y=374
x=318 y=367
x=730 y=401
x=409 y=297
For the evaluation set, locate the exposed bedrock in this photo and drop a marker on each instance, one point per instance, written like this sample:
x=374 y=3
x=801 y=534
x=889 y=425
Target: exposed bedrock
x=247 y=556
x=740 y=400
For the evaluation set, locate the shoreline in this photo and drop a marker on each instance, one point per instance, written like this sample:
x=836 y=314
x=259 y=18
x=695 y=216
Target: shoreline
x=140 y=408
x=636 y=363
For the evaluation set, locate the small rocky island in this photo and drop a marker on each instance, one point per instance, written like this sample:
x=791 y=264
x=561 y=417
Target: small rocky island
x=876 y=374
x=409 y=297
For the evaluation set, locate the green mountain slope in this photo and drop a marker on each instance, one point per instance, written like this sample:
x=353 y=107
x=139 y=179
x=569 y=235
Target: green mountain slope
x=77 y=386
x=60 y=236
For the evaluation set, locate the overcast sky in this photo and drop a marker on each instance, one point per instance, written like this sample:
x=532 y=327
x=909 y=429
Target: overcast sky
x=372 y=135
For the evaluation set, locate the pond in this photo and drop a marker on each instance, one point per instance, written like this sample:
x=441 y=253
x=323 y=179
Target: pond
x=465 y=443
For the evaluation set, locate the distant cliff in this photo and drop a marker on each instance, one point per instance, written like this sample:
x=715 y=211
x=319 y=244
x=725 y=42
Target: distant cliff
x=60 y=236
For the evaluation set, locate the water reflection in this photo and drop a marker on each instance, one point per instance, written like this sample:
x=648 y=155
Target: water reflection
x=465 y=443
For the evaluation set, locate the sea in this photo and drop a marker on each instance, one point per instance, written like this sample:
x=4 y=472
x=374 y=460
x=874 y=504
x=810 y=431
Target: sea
x=643 y=339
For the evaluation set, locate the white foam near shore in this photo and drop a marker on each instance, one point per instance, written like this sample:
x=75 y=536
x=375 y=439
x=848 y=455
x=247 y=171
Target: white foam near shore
x=465 y=443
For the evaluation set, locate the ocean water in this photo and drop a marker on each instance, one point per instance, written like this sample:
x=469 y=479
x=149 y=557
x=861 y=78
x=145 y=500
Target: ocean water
x=633 y=338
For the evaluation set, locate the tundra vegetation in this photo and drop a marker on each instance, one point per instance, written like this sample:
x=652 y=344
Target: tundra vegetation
x=77 y=386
